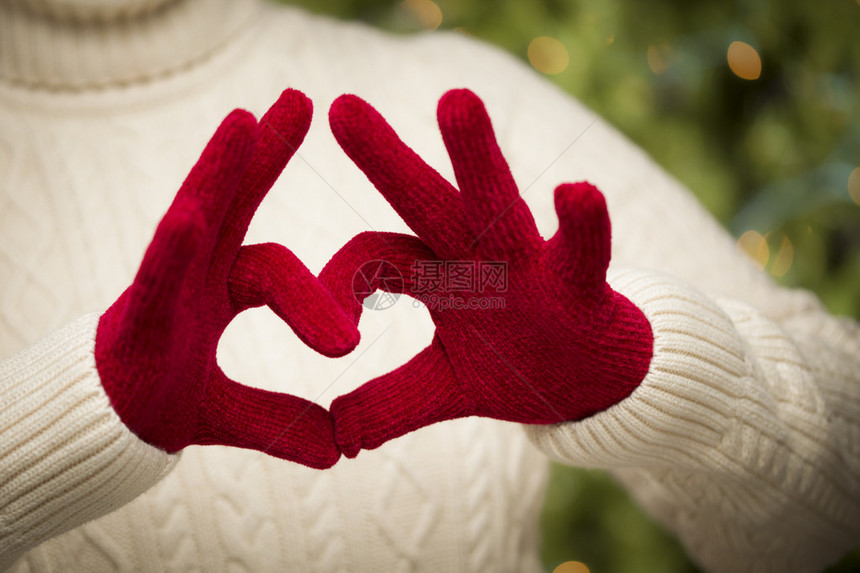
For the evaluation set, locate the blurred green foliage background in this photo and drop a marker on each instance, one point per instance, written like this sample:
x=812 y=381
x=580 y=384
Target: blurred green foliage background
x=766 y=133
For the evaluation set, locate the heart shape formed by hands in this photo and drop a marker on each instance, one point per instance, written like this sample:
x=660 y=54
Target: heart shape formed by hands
x=156 y=345
x=554 y=343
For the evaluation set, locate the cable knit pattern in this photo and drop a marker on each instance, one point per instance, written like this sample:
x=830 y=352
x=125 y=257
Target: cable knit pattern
x=728 y=441
x=66 y=457
x=85 y=175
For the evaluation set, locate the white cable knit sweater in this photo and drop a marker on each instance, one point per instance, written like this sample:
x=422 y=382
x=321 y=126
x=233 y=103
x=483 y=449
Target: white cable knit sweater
x=744 y=438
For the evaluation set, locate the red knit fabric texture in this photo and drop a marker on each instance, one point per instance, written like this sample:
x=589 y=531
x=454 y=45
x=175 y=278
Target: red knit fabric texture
x=527 y=329
x=156 y=345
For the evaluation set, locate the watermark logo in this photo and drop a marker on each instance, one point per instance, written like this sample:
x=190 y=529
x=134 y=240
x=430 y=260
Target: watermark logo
x=438 y=285
x=474 y=277
x=374 y=282
x=459 y=285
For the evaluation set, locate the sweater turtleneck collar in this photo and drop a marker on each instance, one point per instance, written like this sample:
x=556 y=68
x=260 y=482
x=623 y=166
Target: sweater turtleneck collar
x=75 y=45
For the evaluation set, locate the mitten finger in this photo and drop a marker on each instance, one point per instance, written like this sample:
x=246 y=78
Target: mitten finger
x=500 y=220
x=424 y=199
x=271 y=274
x=280 y=425
x=421 y=392
x=281 y=131
x=214 y=179
x=581 y=249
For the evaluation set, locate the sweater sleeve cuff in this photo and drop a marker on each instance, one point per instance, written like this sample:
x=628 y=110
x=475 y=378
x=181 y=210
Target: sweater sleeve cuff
x=65 y=457
x=727 y=440
x=683 y=407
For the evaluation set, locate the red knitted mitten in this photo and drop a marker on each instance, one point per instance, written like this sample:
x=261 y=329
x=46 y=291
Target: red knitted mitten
x=156 y=345
x=527 y=330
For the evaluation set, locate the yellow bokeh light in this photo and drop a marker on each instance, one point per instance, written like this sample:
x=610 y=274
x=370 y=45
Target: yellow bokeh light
x=571 y=567
x=783 y=259
x=854 y=182
x=426 y=12
x=658 y=57
x=548 y=55
x=754 y=245
x=744 y=61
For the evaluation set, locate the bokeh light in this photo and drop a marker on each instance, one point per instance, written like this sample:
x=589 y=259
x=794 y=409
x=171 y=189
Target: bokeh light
x=572 y=567
x=854 y=181
x=548 y=55
x=426 y=13
x=744 y=61
x=658 y=57
x=754 y=245
x=784 y=257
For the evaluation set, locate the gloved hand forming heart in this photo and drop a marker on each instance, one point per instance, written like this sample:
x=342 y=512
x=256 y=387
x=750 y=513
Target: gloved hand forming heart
x=156 y=345
x=537 y=336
